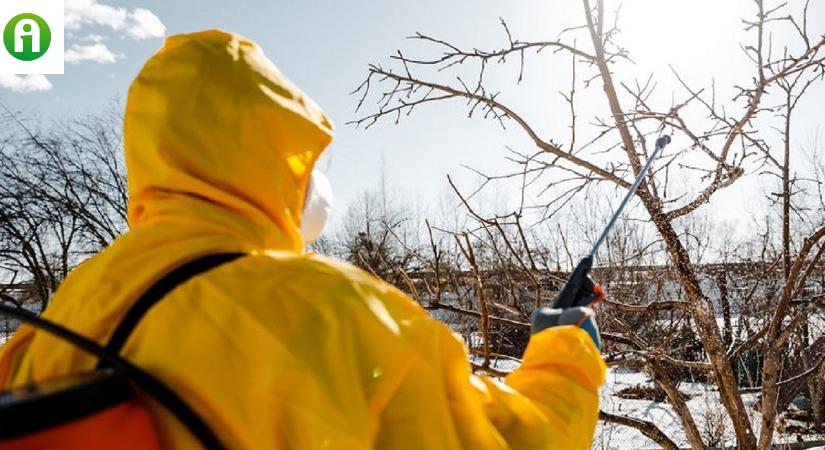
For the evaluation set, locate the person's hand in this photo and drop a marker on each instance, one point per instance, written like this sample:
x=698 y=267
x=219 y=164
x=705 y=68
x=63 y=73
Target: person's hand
x=589 y=293
x=581 y=316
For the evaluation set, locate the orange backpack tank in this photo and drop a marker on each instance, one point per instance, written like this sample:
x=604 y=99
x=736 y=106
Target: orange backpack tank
x=99 y=409
x=89 y=411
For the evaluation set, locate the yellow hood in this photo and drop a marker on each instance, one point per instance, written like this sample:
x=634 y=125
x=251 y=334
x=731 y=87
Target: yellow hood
x=210 y=117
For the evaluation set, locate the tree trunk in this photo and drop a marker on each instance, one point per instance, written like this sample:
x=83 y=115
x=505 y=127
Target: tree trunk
x=724 y=299
x=699 y=306
x=708 y=331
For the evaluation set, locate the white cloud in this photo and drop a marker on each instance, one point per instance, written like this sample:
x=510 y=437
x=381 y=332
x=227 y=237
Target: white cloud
x=89 y=12
x=138 y=23
x=98 y=53
x=135 y=23
x=25 y=83
x=146 y=25
x=93 y=38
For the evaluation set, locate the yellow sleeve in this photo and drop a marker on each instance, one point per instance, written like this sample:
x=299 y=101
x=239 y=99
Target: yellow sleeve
x=561 y=374
x=551 y=402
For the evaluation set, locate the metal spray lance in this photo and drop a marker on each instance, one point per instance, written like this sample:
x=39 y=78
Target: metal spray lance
x=580 y=290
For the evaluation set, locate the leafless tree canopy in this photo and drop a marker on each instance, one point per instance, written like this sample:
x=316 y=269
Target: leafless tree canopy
x=734 y=309
x=62 y=198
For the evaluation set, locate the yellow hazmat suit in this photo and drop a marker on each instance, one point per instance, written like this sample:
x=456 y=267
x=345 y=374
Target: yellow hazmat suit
x=281 y=349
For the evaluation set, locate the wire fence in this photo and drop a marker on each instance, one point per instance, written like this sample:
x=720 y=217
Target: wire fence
x=621 y=396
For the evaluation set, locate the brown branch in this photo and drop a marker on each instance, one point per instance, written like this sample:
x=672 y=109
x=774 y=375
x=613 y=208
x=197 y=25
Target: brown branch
x=653 y=306
x=492 y=103
x=648 y=429
x=484 y=315
x=476 y=314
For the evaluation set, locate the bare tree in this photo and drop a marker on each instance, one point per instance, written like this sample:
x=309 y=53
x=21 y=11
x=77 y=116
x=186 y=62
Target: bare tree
x=62 y=197
x=369 y=236
x=729 y=143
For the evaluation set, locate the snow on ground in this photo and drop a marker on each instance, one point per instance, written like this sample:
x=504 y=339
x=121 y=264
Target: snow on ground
x=704 y=403
x=705 y=406
x=500 y=364
x=612 y=436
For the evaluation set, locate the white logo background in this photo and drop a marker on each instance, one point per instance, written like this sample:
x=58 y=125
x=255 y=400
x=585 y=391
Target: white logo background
x=52 y=12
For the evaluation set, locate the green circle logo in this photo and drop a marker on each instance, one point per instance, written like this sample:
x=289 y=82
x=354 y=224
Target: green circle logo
x=27 y=36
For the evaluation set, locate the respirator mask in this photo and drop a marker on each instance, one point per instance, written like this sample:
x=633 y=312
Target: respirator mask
x=317 y=207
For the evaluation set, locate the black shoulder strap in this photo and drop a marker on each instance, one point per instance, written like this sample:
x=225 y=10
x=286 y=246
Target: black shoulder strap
x=109 y=356
x=159 y=290
x=146 y=381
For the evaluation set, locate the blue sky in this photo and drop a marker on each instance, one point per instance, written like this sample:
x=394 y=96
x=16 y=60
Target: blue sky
x=325 y=46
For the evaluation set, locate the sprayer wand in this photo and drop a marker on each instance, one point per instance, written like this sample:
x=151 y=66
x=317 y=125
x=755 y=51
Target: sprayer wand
x=580 y=290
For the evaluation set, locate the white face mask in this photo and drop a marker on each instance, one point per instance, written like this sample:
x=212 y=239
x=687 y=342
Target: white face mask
x=317 y=207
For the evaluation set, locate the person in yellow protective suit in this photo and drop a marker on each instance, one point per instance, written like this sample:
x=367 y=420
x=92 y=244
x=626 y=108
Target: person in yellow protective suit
x=280 y=348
